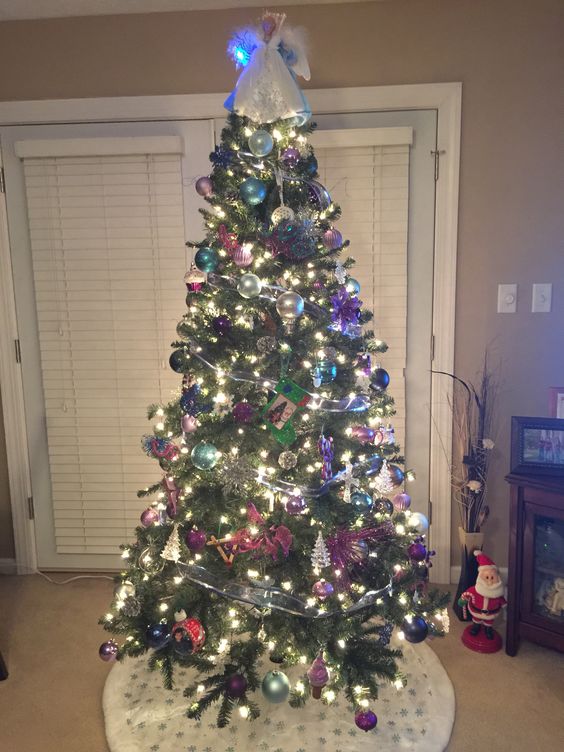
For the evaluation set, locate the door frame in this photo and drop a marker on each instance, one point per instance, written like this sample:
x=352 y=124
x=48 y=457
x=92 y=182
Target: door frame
x=446 y=98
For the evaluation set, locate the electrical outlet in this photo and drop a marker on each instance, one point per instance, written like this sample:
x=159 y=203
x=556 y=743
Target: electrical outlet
x=507 y=298
x=542 y=297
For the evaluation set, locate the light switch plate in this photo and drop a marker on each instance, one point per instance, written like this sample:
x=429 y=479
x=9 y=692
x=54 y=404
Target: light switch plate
x=507 y=298
x=542 y=297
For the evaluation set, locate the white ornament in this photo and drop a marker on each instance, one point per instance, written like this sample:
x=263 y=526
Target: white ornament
x=383 y=481
x=171 y=551
x=340 y=273
x=320 y=555
x=282 y=214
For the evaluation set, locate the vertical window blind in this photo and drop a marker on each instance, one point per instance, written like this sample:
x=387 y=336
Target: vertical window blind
x=107 y=239
x=371 y=184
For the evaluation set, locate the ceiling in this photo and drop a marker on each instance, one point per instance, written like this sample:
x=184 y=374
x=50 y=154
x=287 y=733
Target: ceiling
x=11 y=10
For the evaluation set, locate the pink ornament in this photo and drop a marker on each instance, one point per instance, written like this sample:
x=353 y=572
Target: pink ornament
x=295 y=505
x=189 y=423
x=195 y=540
x=401 y=502
x=318 y=676
x=149 y=517
x=364 y=434
x=322 y=589
x=332 y=239
x=242 y=256
x=290 y=156
x=204 y=186
x=108 y=651
x=417 y=552
x=243 y=412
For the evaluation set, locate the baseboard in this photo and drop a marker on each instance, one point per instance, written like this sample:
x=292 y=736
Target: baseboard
x=455 y=574
x=8 y=566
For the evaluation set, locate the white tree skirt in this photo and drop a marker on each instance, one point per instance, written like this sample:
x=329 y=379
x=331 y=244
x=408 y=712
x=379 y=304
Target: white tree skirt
x=141 y=716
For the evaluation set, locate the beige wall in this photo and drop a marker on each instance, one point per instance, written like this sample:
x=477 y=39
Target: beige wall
x=507 y=53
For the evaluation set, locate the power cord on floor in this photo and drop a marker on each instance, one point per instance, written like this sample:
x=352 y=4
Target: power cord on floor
x=69 y=579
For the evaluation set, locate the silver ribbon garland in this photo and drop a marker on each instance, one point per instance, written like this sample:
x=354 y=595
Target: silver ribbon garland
x=272 y=597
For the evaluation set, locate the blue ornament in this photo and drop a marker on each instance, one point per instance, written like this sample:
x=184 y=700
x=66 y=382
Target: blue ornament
x=361 y=501
x=157 y=636
x=206 y=259
x=261 y=143
x=178 y=361
x=385 y=634
x=252 y=191
x=311 y=166
x=204 y=456
x=415 y=629
x=222 y=157
x=352 y=286
x=275 y=686
x=379 y=380
x=326 y=370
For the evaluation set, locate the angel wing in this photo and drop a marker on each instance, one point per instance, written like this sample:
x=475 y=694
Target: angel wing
x=295 y=39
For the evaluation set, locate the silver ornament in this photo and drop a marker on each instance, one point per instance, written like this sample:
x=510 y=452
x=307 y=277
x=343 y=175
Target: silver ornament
x=290 y=306
x=266 y=344
x=282 y=214
x=124 y=590
x=249 y=286
x=287 y=460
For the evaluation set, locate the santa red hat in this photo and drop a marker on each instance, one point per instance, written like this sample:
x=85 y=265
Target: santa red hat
x=484 y=561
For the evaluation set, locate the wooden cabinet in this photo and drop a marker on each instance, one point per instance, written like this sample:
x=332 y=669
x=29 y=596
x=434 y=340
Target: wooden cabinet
x=535 y=608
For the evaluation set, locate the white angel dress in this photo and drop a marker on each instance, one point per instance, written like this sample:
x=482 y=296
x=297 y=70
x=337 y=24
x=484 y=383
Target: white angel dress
x=267 y=89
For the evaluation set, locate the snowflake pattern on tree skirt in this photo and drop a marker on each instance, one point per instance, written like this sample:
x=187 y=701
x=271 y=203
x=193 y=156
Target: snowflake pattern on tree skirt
x=141 y=715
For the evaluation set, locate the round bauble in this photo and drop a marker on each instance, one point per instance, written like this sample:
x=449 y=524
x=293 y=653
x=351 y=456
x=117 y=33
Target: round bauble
x=108 y=651
x=401 y=501
x=290 y=157
x=290 y=305
x=282 y=214
x=260 y=143
x=204 y=186
x=266 y=344
x=417 y=551
x=236 y=686
x=206 y=259
x=149 y=561
x=222 y=325
x=287 y=460
x=157 y=636
x=189 y=423
x=322 y=589
x=149 y=517
x=397 y=476
x=195 y=540
x=326 y=371
x=362 y=502
x=415 y=629
x=379 y=380
x=364 y=434
x=124 y=590
x=242 y=256
x=243 y=412
x=310 y=165
x=249 y=286
x=187 y=636
x=384 y=506
x=204 y=456
x=366 y=720
x=295 y=505
x=332 y=239
x=418 y=522
x=275 y=686
x=352 y=286
x=252 y=191
x=178 y=361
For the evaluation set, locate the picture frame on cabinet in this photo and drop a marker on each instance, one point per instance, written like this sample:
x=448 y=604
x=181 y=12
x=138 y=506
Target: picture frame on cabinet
x=537 y=445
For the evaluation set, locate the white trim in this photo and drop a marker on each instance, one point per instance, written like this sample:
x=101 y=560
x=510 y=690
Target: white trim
x=455 y=574
x=445 y=98
x=99 y=147
x=362 y=137
x=8 y=566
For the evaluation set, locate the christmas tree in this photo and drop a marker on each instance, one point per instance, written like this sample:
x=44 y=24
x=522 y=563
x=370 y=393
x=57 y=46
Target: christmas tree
x=281 y=527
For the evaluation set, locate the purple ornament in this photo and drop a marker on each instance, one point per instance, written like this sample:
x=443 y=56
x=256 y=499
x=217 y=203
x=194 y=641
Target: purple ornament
x=243 y=412
x=417 y=552
x=332 y=239
x=189 y=423
x=290 y=156
x=366 y=720
x=222 y=325
x=401 y=501
x=322 y=589
x=195 y=540
x=149 y=517
x=295 y=505
x=108 y=651
x=204 y=186
x=236 y=686
x=242 y=256
x=364 y=434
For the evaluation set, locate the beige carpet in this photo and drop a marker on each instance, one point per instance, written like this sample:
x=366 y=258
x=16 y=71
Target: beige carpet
x=52 y=700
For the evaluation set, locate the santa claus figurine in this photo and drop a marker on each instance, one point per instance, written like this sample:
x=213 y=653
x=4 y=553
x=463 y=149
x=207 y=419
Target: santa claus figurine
x=484 y=601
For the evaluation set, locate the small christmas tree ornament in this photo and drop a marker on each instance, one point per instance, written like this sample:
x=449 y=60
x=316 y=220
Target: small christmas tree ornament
x=325 y=448
x=322 y=589
x=236 y=686
x=275 y=686
x=401 y=501
x=379 y=380
x=252 y=191
x=187 y=634
x=171 y=551
x=295 y=505
x=282 y=214
x=383 y=481
x=366 y=720
x=194 y=279
x=396 y=474
x=108 y=651
x=287 y=460
x=204 y=456
x=195 y=540
x=249 y=286
x=318 y=676
x=206 y=259
x=325 y=372
x=384 y=506
x=266 y=344
x=157 y=636
x=204 y=186
x=320 y=555
x=260 y=143
x=149 y=517
x=415 y=629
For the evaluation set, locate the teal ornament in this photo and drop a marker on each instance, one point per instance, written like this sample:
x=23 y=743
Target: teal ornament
x=249 y=286
x=204 y=456
x=206 y=259
x=252 y=191
x=275 y=686
x=326 y=370
x=362 y=502
x=261 y=143
x=352 y=286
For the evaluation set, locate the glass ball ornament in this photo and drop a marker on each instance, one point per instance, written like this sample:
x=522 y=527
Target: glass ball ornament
x=108 y=651
x=204 y=456
x=352 y=286
x=415 y=629
x=243 y=412
x=124 y=590
x=260 y=143
x=287 y=460
x=290 y=157
x=149 y=561
x=149 y=517
x=379 y=380
x=332 y=239
x=397 y=476
x=296 y=505
x=275 y=686
x=252 y=191
x=195 y=540
x=322 y=589
x=362 y=502
x=417 y=551
x=418 y=522
x=401 y=501
x=178 y=361
x=364 y=434
x=157 y=636
x=206 y=259
x=290 y=306
x=204 y=186
x=189 y=423
x=222 y=325
x=236 y=686
x=249 y=286
x=366 y=720
x=282 y=214
x=242 y=256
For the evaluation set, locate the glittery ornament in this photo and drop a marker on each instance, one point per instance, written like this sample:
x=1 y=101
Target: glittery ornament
x=157 y=636
x=275 y=686
x=417 y=551
x=222 y=156
x=204 y=186
x=194 y=279
x=383 y=481
x=236 y=686
x=131 y=607
x=195 y=540
x=287 y=460
x=385 y=634
x=243 y=412
x=326 y=370
x=318 y=676
x=260 y=143
x=187 y=634
x=249 y=286
x=282 y=214
x=322 y=589
x=236 y=473
x=206 y=259
x=366 y=720
x=401 y=501
x=384 y=506
x=204 y=456
x=149 y=517
x=290 y=157
x=252 y=191
x=295 y=505
x=332 y=239
x=266 y=344
x=171 y=550
x=320 y=555
x=415 y=629
x=222 y=325
x=108 y=651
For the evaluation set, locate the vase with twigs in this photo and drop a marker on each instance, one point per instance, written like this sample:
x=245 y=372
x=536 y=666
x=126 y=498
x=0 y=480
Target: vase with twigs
x=472 y=418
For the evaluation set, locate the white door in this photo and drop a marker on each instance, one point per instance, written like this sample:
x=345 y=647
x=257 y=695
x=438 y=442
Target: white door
x=98 y=218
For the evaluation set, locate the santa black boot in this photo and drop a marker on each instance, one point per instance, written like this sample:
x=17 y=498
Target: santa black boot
x=474 y=629
x=489 y=633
